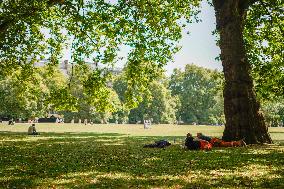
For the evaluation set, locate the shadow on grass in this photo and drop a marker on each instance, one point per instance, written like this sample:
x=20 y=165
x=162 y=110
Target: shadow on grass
x=87 y=160
x=64 y=134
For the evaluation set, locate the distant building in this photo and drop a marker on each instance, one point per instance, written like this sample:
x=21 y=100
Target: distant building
x=65 y=66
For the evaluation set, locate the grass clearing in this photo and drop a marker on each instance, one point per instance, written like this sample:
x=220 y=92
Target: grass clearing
x=111 y=156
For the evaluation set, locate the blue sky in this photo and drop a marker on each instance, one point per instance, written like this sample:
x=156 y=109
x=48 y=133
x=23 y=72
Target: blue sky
x=198 y=47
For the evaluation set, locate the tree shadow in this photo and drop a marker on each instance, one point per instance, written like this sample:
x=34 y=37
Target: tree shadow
x=88 y=160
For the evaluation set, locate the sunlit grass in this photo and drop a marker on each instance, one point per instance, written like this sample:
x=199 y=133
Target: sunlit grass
x=127 y=129
x=92 y=159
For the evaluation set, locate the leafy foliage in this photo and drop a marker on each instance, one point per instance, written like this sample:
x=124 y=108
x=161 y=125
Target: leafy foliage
x=33 y=30
x=89 y=95
x=264 y=30
x=23 y=98
x=199 y=92
x=160 y=107
x=157 y=104
x=274 y=112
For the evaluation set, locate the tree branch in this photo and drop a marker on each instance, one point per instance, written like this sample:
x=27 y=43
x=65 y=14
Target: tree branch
x=245 y=4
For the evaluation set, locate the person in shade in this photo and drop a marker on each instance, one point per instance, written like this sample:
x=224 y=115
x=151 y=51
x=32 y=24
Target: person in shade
x=158 y=144
x=196 y=144
x=11 y=122
x=220 y=143
x=32 y=130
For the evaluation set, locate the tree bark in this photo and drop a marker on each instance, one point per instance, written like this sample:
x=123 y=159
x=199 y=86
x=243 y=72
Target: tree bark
x=243 y=118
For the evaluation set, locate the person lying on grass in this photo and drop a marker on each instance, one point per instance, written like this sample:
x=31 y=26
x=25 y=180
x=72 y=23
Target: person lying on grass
x=216 y=142
x=158 y=144
x=196 y=144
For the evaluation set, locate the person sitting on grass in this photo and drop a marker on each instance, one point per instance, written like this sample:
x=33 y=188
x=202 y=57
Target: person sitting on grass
x=32 y=130
x=220 y=143
x=11 y=122
x=196 y=144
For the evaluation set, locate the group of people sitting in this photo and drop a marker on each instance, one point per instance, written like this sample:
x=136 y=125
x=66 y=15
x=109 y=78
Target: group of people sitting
x=202 y=142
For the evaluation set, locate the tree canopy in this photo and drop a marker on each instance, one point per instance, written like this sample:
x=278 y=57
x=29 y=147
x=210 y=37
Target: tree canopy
x=199 y=93
x=263 y=34
x=29 y=98
x=251 y=36
x=94 y=30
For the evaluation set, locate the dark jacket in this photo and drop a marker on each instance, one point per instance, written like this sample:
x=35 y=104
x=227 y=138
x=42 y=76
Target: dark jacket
x=207 y=138
x=192 y=144
x=158 y=144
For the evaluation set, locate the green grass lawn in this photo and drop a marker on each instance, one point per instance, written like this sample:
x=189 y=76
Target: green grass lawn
x=111 y=156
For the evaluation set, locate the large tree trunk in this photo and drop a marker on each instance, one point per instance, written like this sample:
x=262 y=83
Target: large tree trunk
x=243 y=118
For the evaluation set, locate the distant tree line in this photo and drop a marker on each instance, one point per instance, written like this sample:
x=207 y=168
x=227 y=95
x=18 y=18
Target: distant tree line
x=189 y=96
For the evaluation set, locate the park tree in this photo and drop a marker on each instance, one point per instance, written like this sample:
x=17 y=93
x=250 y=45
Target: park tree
x=21 y=99
x=198 y=90
x=274 y=112
x=157 y=105
x=160 y=106
x=24 y=98
x=151 y=29
x=119 y=85
x=52 y=77
x=89 y=98
x=237 y=22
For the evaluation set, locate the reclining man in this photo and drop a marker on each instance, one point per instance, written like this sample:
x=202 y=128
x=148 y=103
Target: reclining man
x=220 y=143
x=196 y=144
x=158 y=144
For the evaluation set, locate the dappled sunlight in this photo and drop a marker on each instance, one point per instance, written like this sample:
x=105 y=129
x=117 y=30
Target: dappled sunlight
x=196 y=178
x=108 y=140
x=32 y=138
x=27 y=139
x=52 y=183
x=264 y=149
x=91 y=160
x=98 y=178
x=252 y=171
x=255 y=151
x=150 y=161
x=10 y=178
x=62 y=181
x=114 y=176
x=79 y=174
x=255 y=170
x=114 y=144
